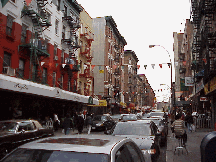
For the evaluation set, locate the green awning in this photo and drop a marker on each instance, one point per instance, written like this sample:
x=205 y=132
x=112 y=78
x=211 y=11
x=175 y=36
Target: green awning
x=4 y=2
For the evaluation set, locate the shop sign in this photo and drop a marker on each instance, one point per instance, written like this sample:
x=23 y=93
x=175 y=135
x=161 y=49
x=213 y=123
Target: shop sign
x=189 y=81
x=210 y=86
x=203 y=99
x=199 y=86
x=102 y=103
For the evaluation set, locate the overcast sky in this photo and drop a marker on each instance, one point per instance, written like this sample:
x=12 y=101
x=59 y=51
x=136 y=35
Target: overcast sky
x=143 y=23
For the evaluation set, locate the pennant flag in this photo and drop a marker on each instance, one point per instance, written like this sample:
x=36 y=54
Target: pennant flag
x=50 y=64
x=71 y=66
x=101 y=71
x=145 y=66
x=92 y=66
x=28 y=2
x=138 y=66
x=160 y=65
x=176 y=63
x=169 y=64
x=153 y=65
x=63 y=65
x=114 y=67
x=42 y=63
x=184 y=63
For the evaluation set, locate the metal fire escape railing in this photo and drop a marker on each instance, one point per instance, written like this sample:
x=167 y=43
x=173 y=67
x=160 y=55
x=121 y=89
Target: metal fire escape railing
x=204 y=42
x=36 y=46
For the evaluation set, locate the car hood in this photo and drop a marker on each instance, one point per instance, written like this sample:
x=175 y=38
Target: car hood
x=144 y=142
x=5 y=133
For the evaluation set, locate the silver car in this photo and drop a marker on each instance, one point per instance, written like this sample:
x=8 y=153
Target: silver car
x=78 y=148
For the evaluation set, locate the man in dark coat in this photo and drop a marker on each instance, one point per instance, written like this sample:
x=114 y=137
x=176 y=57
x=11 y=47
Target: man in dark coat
x=80 y=124
x=67 y=124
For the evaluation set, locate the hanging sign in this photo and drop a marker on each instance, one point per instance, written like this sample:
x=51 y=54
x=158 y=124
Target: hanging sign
x=203 y=99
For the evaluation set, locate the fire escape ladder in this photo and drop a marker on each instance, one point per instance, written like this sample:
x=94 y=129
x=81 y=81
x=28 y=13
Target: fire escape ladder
x=40 y=21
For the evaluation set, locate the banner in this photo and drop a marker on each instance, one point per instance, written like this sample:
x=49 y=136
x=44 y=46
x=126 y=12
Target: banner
x=189 y=81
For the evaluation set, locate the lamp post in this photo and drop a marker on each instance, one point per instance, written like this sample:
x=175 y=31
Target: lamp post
x=172 y=83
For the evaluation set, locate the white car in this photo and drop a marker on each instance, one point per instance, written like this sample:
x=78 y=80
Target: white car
x=79 y=148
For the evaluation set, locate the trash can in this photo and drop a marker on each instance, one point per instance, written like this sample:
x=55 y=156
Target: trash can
x=208 y=147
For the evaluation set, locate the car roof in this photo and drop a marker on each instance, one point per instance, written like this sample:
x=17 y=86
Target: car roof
x=19 y=120
x=137 y=121
x=78 y=143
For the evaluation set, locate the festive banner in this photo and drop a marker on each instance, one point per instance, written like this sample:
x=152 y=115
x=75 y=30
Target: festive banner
x=169 y=64
x=71 y=66
x=160 y=65
x=63 y=65
x=114 y=67
x=92 y=67
x=153 y=65
x=145 y=66
x=205 y=61
x=138 y=66
x=85 y=66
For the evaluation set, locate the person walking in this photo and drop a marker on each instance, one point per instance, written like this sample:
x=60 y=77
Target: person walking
x=178 y=126
x=189 y=121
x=67 y=124
x=56 y=122
x=80 y=123
x=89 y=122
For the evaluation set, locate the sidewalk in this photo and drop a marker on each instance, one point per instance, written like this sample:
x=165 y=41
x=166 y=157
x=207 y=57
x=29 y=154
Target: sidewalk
x=193 y=146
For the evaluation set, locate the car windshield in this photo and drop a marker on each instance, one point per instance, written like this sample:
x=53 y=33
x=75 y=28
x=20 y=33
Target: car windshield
x=100 y=118
x=26 y=155
x=156 y=114
x=8 y=126
x=140 y=129
x=158 y=122
x=129 y=117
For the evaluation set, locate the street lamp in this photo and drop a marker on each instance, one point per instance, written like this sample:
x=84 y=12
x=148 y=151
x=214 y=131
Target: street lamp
x=172 y=83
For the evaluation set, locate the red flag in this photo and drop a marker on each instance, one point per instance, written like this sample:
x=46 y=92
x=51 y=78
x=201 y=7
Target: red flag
x=92 y=66
x=205 y=61
x=28 y=2
x=169 y=64
x=184 y=63
x=160 y=65
x=138 y=66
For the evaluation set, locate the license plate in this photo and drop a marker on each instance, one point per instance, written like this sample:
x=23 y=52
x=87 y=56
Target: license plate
x=93 y=128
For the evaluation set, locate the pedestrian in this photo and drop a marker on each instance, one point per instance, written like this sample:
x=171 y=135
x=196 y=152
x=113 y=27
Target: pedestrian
x=67 y=124
x=56 y=122
x=189 y=121
x=80 y=123
x=89 y=122
x=172 y=117
x=178 y=126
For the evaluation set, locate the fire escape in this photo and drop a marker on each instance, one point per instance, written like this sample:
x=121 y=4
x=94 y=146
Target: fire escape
x=36 y=47
x=117 y=74
x=72 y=42
x=204 y=53
x=86 y=52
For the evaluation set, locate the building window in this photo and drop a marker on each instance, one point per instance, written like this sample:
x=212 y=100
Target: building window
x=21 y=69
x=46 y=45
x=44 y=79
x=48 y=17
x=54 y=79
x=62 y=57
x=55 y=51
x=58 y=4
x=65 y=11
x=24 y=33
x=63 y=32
x=56 y=26
x=9 y=25
x=6 y=61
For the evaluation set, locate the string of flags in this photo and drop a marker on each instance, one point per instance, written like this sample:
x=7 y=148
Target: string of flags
x=160 y=65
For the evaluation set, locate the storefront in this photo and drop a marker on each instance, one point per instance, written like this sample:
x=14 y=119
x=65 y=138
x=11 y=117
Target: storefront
x=24 y=99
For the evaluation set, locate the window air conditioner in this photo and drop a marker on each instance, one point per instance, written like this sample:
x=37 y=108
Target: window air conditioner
x=9 y=71
x=55 y=57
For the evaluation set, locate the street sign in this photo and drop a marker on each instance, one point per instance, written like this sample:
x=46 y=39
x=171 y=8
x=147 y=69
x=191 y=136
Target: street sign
x=203 y=99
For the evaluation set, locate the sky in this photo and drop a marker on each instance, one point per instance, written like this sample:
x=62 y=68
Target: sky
x=144 y=23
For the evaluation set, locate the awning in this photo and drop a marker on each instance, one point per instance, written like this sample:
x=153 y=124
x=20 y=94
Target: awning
x=24 y=86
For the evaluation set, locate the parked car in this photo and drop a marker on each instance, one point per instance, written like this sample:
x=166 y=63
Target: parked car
x=116 y=117
x=158 y=114
x=81 y=148
x=102 y=122
x=144 y=133
x=162 y=128
x=16 y=132
x=128 y=117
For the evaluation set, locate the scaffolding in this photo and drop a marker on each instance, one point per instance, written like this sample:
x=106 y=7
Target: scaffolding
x=36 y=46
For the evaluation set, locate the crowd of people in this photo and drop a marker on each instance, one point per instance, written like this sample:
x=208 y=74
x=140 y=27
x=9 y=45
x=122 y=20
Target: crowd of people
x=77 y=121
